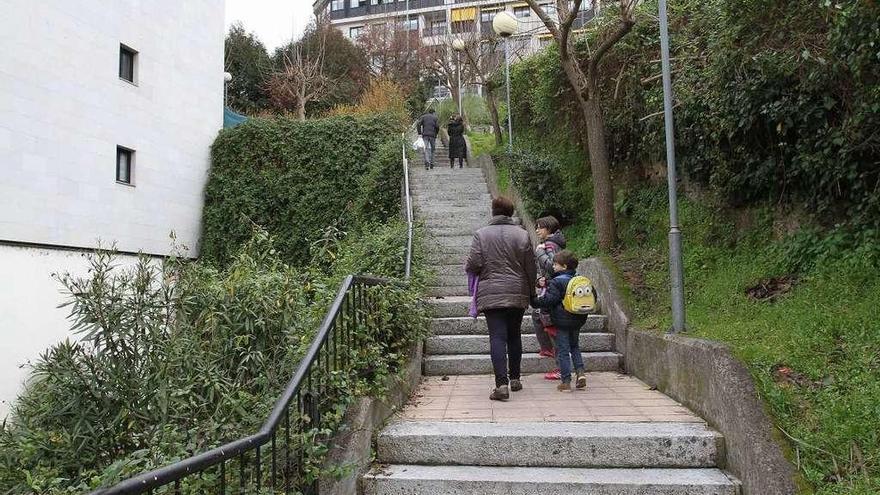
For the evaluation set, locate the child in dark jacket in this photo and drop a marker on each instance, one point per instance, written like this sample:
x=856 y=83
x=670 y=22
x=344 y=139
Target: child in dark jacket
x=568 y=325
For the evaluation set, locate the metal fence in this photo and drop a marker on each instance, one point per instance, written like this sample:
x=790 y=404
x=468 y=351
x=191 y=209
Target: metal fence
x=277 y=457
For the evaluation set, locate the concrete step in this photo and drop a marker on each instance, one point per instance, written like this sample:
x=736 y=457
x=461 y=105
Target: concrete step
x=454 y=290
x=453 y=230
x=449 y=306
x=456 y=188
x=443 y=195
x=449 y=280
x=479 y=344
x=447 y=270
x=431 y=211
x=481 y=364
x=446 y=257
x=424 y=202
x=458 y=240
x=411 y=479
x=548 y=444
x=466 y=325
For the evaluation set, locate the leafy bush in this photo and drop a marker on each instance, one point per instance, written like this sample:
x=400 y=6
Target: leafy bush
x=177 y=357
x=295 y=178
x=777 y=105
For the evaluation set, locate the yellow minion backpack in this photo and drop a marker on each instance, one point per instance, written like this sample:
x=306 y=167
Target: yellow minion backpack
x=580 y=296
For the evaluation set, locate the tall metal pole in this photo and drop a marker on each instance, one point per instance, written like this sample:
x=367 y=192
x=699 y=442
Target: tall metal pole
x=407 y=33
x=460 y=108
x=507 y=78
x=676 y=275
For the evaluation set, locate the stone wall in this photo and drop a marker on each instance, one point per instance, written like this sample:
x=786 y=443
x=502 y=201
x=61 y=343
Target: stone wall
x=710 y=381
x=353 y=446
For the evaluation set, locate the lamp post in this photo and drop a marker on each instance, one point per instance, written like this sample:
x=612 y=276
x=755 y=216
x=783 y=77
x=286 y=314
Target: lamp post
x=505 y=24
x=676 y=276
x=227 y=77
x=458 y=46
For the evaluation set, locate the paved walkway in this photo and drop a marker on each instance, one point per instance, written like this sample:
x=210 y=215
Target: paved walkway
x=609 y=397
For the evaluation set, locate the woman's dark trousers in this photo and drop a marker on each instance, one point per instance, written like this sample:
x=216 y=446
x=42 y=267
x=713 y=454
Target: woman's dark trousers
x=505 y=341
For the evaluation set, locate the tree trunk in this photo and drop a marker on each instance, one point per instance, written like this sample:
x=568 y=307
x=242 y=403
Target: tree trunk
x=301 y=108
x=586 y=91
x=493 y=113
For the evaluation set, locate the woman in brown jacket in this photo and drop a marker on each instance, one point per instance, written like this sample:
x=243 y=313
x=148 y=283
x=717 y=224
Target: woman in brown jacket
x=501 y=256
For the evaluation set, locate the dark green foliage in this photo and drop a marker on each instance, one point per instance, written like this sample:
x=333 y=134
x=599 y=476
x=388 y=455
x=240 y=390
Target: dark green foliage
x=773 y=102
x=248 y=62
x=297 y=178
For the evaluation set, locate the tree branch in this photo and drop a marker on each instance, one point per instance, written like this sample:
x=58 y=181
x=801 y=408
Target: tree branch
x=623 y=28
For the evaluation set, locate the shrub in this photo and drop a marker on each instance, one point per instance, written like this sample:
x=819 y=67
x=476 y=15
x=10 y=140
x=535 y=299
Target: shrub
x=178 y=357
x=294 y=179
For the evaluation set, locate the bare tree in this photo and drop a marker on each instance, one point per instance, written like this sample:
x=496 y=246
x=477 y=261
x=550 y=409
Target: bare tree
x=301 y=78
x=582 y=72
x=485 y=58
x=394 y=52
x=447 y=67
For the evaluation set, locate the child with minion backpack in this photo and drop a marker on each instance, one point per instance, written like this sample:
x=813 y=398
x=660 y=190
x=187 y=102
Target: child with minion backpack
x=570 y=299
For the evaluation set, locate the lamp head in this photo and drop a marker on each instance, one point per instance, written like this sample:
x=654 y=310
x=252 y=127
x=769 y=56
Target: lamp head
x=504 y=24
x=227 y=77
x=458 y=44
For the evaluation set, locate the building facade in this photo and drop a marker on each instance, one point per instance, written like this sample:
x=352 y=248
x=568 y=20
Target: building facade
x=107 y=114
x=438 y=21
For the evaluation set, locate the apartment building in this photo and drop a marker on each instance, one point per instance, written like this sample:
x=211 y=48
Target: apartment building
x=438 y=21
x=107 y=113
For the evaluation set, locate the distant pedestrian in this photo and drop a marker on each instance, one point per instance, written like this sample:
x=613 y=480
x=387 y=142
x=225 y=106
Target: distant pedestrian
x=457 y=144
x=428 y=127
x=501 y=256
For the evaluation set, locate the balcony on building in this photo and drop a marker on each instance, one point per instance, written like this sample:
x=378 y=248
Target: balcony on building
x=345 y=9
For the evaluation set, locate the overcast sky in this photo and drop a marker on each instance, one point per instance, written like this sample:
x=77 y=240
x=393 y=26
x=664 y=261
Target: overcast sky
x=274 y=21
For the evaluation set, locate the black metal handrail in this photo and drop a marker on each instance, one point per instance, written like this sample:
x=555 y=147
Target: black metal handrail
x=298 y=410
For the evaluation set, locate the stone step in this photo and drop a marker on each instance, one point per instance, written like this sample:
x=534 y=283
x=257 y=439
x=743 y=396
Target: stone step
x=549 y=444
x=442 y=257
x=447 y=270
x=463 y=216
x=443 y=195
x=423 y=202
x=453 y=230
x=477 y=211
x=455 y=188
x=454 y=290
x=458 y=240
x=449 y=280
x=449 y=306
x=465 y=325
x=411 y=479
x=481 y=364
x=479 y=344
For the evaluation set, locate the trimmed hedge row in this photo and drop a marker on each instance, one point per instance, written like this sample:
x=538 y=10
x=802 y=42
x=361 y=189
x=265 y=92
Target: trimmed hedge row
x=296 y=179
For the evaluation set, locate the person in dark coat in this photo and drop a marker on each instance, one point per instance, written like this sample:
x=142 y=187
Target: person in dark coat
x=501 y=256
x=457 y=144
x=428 y=126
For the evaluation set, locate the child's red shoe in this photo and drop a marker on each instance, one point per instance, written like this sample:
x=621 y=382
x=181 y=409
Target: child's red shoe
x=553 y=375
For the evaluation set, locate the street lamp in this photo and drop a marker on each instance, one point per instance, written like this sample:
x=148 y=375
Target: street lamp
x=676 y=276
x=505 y=24
x=227 y=77
x=458 y=46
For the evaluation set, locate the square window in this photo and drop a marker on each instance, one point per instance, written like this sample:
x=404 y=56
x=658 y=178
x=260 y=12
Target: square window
x=337 y=5
x=522 y=11
x=124 y=165
x=354 y=32
x=127 y=63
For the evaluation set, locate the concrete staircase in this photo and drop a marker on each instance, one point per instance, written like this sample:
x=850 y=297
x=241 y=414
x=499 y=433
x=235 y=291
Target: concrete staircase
x=516 y=455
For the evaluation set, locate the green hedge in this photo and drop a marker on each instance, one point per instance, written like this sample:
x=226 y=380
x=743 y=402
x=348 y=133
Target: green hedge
x=297 y=178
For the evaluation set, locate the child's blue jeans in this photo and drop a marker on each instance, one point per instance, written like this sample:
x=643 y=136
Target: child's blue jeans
x=568 y=351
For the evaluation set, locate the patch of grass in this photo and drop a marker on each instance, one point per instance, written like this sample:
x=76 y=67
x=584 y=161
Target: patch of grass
x=503 y=178
x=481 y=143
x=474 y=108
x=814 y=351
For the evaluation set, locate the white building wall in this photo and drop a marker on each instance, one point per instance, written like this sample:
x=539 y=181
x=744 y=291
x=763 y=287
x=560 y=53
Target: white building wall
x=63 y=111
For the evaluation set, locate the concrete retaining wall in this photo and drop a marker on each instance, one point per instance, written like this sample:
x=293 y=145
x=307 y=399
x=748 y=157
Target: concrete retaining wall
x=709 y=380
x=352 y=448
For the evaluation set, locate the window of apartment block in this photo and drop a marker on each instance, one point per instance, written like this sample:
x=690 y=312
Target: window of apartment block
x=124 y=165
x=355 y=32
x=522 y=11
x=337 y=5
x=488 y=15
x=410 y=25
x=127 y=63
